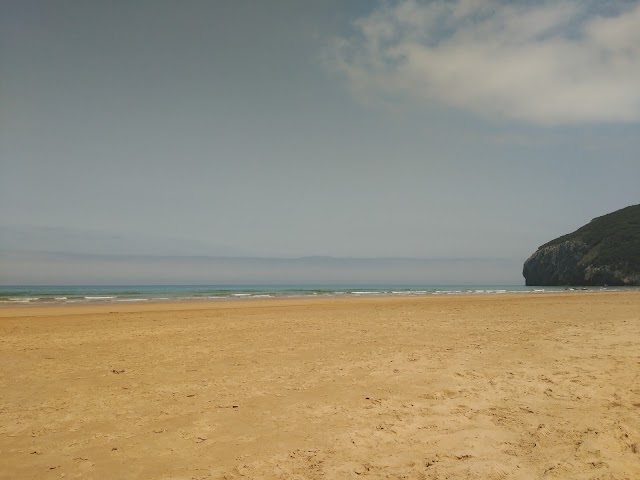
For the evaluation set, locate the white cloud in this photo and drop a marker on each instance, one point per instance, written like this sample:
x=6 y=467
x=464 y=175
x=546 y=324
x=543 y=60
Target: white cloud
x=549 y=62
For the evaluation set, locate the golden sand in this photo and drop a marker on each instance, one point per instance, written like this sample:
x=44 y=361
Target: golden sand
x=474 y=387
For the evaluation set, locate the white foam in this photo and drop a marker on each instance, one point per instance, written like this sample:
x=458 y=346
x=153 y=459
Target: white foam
x=23 y=299
x=60 y=298
x=133 y=300
x=98 y=298
x=241 y=294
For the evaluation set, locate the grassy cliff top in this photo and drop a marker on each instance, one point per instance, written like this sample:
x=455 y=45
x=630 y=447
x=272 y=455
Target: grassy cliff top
x=612 y=239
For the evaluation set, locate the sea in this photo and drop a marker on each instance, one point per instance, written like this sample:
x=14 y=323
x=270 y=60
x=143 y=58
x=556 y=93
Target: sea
x=107 y=294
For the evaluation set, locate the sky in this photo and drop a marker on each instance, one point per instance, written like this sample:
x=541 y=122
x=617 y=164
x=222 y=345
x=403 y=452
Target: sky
x=153 y=141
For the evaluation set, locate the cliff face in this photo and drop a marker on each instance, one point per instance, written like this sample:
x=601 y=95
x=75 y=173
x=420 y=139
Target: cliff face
x=606 y=251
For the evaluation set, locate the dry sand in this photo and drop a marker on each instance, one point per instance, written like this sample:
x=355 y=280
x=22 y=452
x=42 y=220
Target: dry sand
x=482 y=387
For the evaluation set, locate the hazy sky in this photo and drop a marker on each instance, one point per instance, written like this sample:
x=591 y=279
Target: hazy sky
x=470 y=129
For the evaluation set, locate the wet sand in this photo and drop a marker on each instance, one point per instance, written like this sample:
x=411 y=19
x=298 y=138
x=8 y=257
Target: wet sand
x=504 y=386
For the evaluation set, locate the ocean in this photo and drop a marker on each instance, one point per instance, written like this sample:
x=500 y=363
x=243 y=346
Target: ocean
x=97 y=294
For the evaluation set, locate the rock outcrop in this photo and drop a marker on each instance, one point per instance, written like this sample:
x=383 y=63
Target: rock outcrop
x=606 y=251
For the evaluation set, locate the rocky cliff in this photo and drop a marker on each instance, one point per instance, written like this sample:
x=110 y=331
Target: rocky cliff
x=606 y=251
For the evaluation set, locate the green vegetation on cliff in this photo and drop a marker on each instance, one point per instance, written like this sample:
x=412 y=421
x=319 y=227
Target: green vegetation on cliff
x=612 y=240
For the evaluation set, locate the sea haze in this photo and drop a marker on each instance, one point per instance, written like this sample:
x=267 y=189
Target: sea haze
x=56 y=268
x=63 y=256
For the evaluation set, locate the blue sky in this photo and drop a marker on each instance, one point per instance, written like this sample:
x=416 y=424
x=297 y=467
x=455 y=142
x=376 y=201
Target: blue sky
x=470 y=129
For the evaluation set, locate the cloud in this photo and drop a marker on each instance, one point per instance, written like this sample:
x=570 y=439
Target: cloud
x=550 y=62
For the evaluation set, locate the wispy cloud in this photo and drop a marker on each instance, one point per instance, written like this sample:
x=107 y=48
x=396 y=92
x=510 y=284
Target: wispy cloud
x=546 y=62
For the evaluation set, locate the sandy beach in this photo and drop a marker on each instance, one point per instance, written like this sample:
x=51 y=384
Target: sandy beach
x=460 y=387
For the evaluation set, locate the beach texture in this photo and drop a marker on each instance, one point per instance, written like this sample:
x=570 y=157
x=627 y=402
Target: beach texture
x=456 y=387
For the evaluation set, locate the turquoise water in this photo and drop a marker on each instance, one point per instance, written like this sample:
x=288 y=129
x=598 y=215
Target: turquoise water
x=36 y=295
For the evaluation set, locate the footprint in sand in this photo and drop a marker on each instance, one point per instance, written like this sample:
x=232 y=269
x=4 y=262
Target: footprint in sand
x=442 y=395
x=543 y=430
x=499 y=473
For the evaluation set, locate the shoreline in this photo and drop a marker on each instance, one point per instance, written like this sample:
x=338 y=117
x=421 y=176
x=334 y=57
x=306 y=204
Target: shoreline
x=150 y=306
x=171 y=303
